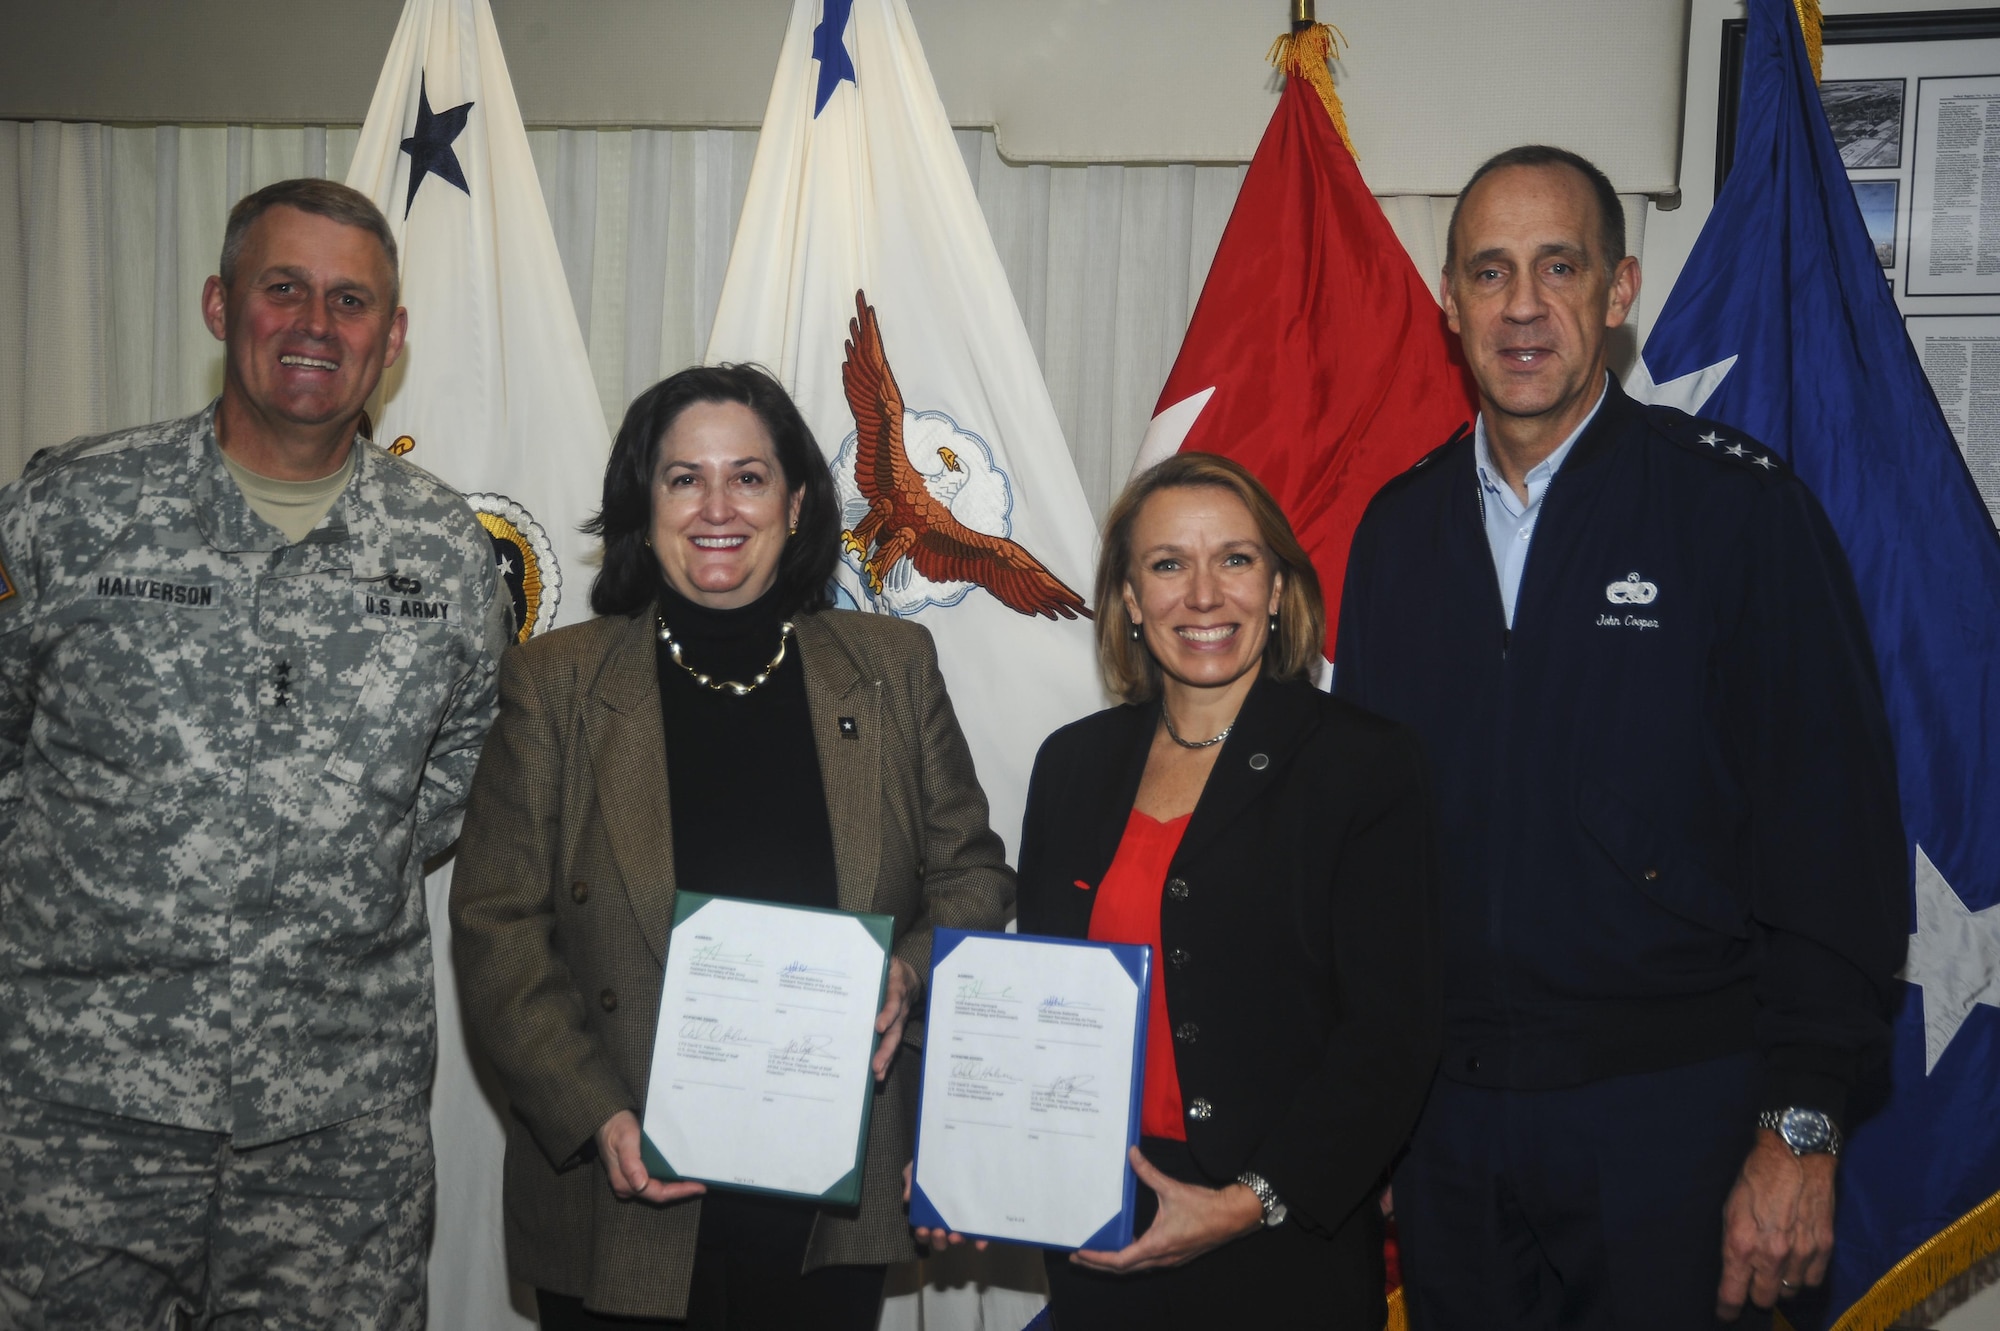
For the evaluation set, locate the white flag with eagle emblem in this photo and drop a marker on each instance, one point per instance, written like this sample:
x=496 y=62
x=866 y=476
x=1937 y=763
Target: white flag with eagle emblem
x=494 y=395
x=864 y=277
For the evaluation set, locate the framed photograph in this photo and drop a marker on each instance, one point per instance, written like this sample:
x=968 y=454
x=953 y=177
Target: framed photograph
x=1878 y=209
x=1913 y=101
x=1867 y=120
x=1894 y=49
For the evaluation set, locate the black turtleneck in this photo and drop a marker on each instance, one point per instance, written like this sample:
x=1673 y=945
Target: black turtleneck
x=749 y=818
x=742 y=773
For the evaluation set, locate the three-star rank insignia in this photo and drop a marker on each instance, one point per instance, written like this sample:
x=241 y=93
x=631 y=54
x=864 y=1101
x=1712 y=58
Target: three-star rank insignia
x=1716 y=441
x=1735 y=448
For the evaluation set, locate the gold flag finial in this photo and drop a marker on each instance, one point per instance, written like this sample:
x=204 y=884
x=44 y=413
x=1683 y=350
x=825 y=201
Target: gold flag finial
x=1302 y=15
x=1810 y=24
x=1305 y=52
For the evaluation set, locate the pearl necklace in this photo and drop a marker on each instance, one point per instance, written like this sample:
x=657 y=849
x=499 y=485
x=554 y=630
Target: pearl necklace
x=719 y=685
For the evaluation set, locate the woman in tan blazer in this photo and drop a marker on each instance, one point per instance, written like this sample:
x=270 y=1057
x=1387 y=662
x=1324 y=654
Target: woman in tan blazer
x=718 y=729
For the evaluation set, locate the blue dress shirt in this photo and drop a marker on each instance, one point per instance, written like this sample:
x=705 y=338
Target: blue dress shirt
x=1510 y=524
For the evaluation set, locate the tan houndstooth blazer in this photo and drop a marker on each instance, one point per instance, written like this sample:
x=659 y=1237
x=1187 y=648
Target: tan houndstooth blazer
x=563 y=897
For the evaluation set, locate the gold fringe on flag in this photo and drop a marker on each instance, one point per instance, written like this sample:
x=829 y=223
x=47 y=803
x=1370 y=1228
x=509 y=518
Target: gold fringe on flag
x=1810 y=24
x=1949 y=1253
x=1305 y=54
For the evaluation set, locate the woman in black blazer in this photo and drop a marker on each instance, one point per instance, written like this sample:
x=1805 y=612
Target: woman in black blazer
x=1274 y=845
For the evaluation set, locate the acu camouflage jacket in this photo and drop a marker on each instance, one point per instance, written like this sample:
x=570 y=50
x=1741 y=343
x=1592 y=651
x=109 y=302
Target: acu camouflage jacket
x=223 y=763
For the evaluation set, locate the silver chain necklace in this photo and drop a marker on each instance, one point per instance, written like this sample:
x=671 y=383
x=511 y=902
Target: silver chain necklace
x=1175 y=735
x=719 y=685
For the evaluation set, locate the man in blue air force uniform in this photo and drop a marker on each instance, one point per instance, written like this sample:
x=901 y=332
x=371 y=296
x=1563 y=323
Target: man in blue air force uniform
x=1674 y=865
x=246 y=663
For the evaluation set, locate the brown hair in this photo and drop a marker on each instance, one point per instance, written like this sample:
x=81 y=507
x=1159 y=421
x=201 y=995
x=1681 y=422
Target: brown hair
x=322 y=198
x=1129 y=669
x=1610 y=213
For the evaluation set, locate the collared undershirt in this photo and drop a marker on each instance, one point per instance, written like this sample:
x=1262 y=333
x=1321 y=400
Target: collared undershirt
x=293 y=507
x=1510 y=524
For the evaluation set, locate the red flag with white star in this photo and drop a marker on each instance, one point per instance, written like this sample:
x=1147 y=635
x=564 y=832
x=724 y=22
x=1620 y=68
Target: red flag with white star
x=1317 y=356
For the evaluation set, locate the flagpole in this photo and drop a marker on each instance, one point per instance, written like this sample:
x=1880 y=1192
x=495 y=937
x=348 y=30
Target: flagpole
x=1302 y=15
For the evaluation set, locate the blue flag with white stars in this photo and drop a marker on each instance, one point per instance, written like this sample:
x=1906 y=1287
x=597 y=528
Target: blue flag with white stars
x=1782 y=325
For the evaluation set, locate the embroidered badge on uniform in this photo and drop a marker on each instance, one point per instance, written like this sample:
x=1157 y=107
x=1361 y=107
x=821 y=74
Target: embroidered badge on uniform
x=6 y=584
x=1631 y=591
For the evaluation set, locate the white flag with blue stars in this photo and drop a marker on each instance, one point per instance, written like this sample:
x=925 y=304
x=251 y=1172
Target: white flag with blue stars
x=495 y=394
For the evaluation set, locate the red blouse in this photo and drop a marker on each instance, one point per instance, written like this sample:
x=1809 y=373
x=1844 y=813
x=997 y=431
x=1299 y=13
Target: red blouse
x=1127 y=910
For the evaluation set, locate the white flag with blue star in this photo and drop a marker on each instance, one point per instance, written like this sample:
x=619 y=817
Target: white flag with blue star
x=864 y=277
x=494 y=395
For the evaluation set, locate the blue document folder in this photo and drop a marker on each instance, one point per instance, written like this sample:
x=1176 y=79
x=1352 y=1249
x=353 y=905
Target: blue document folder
x=1034 y=1065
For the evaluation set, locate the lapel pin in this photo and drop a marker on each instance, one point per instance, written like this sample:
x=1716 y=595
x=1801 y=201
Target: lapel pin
x=1258 y=762
x=1085 y=886
x=848 y=730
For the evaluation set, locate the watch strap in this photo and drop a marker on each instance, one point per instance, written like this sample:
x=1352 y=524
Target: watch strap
x=1267 y=1197
x=1773 y=1120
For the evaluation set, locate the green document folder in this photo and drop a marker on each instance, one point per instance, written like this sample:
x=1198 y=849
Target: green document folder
x=755 y=1058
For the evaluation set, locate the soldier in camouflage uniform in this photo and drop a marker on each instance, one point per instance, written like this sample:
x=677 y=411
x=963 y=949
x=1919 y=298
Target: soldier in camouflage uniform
x=226 y=751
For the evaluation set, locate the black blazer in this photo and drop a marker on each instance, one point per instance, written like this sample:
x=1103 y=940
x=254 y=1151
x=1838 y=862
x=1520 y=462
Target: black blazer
x=1299 y=926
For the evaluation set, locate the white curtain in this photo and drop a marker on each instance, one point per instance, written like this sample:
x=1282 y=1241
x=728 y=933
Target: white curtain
x=107 y=233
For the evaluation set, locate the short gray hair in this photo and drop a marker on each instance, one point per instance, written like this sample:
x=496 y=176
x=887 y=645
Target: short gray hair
x=322 y=198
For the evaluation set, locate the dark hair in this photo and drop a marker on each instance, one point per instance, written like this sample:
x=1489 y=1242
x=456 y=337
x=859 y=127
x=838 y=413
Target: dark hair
x=321 y=198
x=1610 y=213
x=630 y=577
x=1130 y=672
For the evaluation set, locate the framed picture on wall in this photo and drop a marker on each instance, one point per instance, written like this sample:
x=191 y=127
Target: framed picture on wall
x=1913 y=101
x=1914 y=104
x=1865 y=111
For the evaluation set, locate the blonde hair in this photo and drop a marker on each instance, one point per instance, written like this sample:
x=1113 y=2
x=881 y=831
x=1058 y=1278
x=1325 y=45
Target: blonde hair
x=1130 y=672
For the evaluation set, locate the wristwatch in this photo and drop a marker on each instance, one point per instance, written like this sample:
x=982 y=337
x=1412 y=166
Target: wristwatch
x=1267 y=1197
x=1806 y=1131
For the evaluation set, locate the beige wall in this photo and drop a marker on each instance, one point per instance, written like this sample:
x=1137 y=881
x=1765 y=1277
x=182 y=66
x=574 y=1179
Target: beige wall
x=1432 y=86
